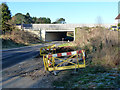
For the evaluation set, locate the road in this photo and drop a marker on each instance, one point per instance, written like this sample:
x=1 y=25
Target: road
x=13 y=56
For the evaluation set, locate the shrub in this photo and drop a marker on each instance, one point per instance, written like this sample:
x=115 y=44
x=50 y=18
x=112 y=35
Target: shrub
x=118 y=24
x=104 y=45
x=21 y=37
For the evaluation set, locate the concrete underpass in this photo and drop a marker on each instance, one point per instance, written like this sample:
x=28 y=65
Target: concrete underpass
x=55 y=36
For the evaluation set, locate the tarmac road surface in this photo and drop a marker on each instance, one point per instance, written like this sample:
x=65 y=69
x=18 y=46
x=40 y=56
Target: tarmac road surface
x=13 y=56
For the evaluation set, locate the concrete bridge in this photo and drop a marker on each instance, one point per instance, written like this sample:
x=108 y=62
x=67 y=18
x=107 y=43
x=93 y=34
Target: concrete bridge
x=53 y=32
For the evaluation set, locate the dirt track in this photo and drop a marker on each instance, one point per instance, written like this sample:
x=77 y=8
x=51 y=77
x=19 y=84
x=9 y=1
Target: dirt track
x=29 y=74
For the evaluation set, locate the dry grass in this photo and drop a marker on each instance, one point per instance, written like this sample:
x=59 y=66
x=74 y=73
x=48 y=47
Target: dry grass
x=19 y=37
x=102 y=59
x=101 y=44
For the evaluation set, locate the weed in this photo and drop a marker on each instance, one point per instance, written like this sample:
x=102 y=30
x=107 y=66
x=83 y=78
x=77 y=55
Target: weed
x=87 y=49
x=19 y=38
x=101 y=45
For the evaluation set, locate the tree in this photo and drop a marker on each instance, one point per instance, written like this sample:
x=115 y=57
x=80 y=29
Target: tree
x=43 y=20
x=60 y=21
x=19 y=18
x=6 y=15
x=0 y=18
x=118 y=24
x=48 y=20
x=34 y=19
x=28 y=19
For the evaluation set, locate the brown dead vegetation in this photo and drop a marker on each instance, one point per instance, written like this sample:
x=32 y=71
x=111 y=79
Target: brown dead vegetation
x=19 y=37
x=100 y=44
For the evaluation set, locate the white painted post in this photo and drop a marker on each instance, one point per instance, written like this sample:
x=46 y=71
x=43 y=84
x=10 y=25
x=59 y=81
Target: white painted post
x=74 y=34
x=43 y=34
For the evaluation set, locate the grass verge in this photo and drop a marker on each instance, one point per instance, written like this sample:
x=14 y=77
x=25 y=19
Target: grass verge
x=66 y=44
x=90 y=77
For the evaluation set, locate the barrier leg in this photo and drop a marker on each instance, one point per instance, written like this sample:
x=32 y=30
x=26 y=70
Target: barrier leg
x=54 y=72
x=77 y=60
x=83 y=57
x=53 y=62
x=44 y=61
x=40 y=52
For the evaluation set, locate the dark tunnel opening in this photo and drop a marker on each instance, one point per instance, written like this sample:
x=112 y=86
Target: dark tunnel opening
x=57 y=36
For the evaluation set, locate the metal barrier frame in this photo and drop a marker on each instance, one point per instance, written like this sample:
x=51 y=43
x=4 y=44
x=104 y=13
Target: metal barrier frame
x=47 y=48
x=52 y=57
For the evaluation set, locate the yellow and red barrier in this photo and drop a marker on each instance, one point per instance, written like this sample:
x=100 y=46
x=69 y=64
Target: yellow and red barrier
x=53 y=62
x=47 y=49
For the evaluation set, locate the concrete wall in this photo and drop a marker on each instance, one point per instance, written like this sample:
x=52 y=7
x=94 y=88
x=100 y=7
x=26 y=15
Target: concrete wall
x=18 y=26
x=42 y=35
x=59 y=26
x=39 y=33
x=64 y=26
x=48 y=35
x=35 y=32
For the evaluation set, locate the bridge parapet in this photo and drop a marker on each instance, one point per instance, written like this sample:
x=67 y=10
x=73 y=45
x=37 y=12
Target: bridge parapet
x=52 y=27
x=58 y=26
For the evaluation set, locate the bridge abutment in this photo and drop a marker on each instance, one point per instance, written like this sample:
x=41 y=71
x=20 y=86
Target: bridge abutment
x=50 y=32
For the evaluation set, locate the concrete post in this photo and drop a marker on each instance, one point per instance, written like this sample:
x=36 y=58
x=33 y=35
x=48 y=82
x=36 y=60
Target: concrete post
x=40 y=34
x=74 y=35
x=43 y=32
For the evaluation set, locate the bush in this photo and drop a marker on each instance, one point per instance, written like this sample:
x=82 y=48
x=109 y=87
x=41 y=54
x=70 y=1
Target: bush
x=20 y=37
x=86 y=28
x=103 y=44
x=118 y=24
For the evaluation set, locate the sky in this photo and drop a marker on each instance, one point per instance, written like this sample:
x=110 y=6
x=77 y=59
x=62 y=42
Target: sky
x=73 y=12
